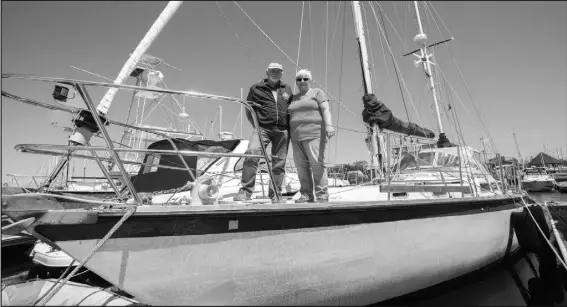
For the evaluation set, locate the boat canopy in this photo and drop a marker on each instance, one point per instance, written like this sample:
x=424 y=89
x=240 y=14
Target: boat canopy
x=153 y=178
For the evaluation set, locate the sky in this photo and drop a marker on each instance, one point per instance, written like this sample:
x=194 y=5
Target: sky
x=506 y=65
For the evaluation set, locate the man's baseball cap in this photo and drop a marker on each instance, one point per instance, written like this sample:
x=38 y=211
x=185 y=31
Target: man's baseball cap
x=275 y=66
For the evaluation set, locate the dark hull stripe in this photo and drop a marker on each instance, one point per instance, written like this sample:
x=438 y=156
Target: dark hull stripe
x=185 y=224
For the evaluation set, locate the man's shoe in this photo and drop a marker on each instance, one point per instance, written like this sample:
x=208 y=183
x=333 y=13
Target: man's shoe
x=304 y=199
x=242 y=196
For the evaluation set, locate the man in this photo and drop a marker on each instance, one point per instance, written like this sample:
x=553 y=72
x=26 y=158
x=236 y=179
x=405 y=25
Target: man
x=272 y=98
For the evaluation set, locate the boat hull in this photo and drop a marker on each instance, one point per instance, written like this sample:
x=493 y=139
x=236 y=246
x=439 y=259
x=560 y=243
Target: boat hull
x=538 y=185
x=348 y=262
x=561 y=187
x=560 y=177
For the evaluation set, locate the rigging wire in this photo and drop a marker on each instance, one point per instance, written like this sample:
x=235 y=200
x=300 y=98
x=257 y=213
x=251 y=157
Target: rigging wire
x=392 y=25
x=396 y=66
x=373 y=70
x=462 y=78
x=238 y=37
x=328 y=145
x=386 y=63
x=326 y=42
x=291 y=60
x=405 y=22
x=404 y=45
x=299 y=43
x=392 y=57
x=340 y=80
x=334 y=30
x=311 y=38
x=190 y=119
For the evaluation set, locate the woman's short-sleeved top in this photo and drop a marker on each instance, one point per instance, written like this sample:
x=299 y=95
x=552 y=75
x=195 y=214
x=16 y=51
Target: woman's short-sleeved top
x=306 y=118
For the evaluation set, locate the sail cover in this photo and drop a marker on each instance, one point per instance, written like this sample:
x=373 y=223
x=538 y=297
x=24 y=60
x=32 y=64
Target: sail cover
x=375 y=111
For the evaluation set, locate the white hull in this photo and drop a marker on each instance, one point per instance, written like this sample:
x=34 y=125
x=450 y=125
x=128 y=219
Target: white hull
x=341 y=265
x=71 y=294
x=538 y=185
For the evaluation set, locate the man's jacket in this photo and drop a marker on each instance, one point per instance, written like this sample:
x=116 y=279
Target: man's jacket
x=270 y=113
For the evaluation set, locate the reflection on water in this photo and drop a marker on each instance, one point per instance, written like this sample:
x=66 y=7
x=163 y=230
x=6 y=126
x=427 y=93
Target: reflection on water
x=541 y=197
x=559 y=215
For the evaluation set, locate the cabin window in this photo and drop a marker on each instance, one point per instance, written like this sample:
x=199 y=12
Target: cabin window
x=447 y=160
x=425 y=158
x=408 y=161
x=152 y=162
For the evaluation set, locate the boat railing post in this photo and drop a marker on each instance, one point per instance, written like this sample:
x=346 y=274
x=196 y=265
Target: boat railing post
x=519 y=178
x=460 y=169
x=388 y=171
x=45 y=186
x=106 y=173
x=85 y=95
x=256 y=126
x=35 y=181
x=501 y=172
x=17 y=182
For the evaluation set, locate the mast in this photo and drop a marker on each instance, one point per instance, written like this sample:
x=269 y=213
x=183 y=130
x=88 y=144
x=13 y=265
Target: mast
x=143 y=46
x=83 y=130
x=423 y=58
x=367 y=82
x=518 y=149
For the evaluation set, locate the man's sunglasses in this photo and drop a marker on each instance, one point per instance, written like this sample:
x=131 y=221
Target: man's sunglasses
x=301 y=79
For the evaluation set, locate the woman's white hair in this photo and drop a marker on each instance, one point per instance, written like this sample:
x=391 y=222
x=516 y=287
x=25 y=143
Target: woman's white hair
x=303 y=72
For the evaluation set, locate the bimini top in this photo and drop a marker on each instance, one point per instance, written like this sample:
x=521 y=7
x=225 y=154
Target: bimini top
x=152 y=178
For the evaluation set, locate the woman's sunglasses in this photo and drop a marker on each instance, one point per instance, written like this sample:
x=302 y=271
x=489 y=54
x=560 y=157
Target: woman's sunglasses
x=302 y=79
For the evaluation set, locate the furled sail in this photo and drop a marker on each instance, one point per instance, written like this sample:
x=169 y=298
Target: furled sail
x=375 y=111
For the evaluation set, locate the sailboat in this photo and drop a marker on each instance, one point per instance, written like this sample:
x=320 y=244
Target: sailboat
x=443 y=217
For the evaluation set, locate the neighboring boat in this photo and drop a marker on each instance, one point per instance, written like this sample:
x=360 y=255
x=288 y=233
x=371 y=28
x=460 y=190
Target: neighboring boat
x=180 y=239
x=536 y=179
x=559 y=174
x=29 y=293
x=16 y=245
x=561 y=186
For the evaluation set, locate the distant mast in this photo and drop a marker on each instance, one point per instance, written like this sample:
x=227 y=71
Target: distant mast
x=423 y=58
x=518 y=149
x=372 y=132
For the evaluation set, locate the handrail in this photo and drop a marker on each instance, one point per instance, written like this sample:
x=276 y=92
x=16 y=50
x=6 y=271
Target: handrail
x=30 y=147
x=79 y=85
x=125 y=177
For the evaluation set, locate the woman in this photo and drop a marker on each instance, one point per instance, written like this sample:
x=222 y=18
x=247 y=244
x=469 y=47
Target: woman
x=310 y=129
